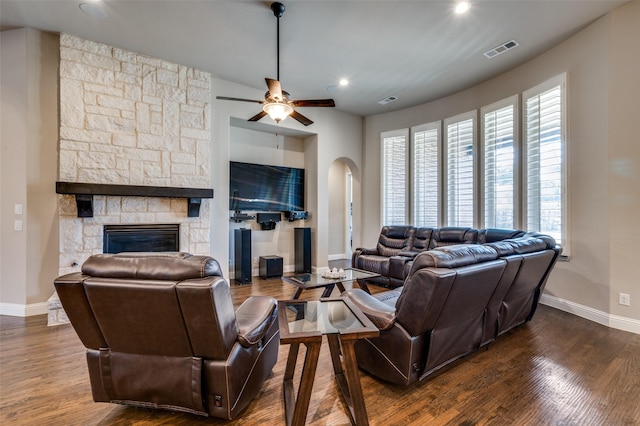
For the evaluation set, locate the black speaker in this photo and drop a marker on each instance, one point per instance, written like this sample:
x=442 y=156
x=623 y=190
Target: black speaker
x=242 y=258
x=270 y=267
x=302 y=240
x=268 y=221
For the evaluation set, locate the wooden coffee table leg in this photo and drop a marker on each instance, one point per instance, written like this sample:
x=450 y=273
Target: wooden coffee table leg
x=363 y=285
x=353 y=382
x=296 y=294
x=327 y=290
x=296 y=408
x=348 y=378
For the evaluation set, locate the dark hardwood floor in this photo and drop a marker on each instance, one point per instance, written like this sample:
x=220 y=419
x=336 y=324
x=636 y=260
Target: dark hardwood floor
x=558 y=369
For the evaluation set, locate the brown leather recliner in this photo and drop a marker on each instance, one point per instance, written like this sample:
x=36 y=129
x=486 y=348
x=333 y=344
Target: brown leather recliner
x=392 y=241
x=161 y=331
x=456 y=299
x=436 y=318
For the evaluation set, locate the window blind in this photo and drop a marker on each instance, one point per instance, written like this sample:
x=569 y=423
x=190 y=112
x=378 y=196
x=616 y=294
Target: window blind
x=544 y=130
x=394 y=178
x=499 y=167
x=426 y=171
x=460 y=173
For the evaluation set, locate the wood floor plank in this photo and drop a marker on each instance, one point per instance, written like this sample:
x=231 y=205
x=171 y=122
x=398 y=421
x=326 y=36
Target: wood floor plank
x=556 y=370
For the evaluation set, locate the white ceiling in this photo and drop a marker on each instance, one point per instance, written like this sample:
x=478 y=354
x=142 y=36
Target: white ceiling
x=415 y=50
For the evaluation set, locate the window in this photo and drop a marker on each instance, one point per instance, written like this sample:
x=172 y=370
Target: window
x=499 y=181
x=545 y=152
x=515 y=178
x=394 y=177
x=460 y=174
x=426 y=172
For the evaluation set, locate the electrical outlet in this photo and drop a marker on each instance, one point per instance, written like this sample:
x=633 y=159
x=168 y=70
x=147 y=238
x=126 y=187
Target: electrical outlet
x=624 y=299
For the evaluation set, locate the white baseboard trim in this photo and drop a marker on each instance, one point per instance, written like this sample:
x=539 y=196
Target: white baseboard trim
x=18 y=310
x=613 y=321
x=341 y=256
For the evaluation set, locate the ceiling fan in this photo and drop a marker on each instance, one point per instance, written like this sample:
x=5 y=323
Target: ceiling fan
x=277 y=103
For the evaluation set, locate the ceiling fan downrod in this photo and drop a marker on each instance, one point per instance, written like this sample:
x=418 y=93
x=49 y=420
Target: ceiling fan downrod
x=278 y=11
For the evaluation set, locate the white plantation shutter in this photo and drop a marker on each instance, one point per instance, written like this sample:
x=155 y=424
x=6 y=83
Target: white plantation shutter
x=394 y=177
x=544 y=124
x=426 y=172
x=499 y=167
x=460 y=141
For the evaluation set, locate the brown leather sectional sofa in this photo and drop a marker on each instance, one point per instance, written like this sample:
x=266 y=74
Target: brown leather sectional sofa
x=398 y=245
x=455 y=299
x=161 y=331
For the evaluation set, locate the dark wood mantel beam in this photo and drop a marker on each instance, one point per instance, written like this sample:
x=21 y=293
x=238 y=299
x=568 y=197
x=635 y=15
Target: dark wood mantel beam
x=84 y=193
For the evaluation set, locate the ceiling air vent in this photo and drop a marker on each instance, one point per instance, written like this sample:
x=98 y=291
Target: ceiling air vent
x=387 y=100
x=501 y=49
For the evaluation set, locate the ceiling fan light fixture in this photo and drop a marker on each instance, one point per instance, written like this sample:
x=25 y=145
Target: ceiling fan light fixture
x=278 y=111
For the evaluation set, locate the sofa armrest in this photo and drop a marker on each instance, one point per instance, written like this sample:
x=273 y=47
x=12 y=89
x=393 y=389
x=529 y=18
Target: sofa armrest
x=381 y=314
x=398 y=266
x=254 y=317
x=362 y=250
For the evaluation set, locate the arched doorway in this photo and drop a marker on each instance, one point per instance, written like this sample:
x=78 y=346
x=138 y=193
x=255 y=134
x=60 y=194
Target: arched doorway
x=340 y=204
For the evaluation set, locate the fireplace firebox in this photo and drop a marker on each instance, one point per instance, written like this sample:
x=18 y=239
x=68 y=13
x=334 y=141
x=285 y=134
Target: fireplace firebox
x=141 y=238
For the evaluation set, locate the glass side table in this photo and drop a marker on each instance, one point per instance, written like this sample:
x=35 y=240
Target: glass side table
x=309 y=281
x=305 y=322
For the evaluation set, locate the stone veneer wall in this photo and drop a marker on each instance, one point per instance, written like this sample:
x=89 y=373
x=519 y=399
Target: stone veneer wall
x=127 y=118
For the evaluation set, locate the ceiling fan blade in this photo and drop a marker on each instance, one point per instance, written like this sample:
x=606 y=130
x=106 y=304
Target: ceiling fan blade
x=301 y=118
x=225 y=98
x=258 y=116
x=313 y=103
x=275 y=90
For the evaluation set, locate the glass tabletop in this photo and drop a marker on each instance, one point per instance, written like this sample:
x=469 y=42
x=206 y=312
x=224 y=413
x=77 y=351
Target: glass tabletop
x=316 y=280
x=327 y=317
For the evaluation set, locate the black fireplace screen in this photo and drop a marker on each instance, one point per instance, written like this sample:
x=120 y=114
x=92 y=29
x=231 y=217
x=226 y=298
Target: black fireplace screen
x=141 y=238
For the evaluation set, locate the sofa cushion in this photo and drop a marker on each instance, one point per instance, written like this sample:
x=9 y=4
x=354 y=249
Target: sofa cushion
x=373 y=263
x=491 y=235
x=454 y=256
x=503 y=248
x=421 y=239
x=451 y=235
x=394 y=239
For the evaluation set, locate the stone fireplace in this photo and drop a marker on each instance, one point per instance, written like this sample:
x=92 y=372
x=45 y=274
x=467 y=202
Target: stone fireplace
x=128 y=119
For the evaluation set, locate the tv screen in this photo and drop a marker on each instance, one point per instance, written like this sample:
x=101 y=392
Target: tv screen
x=259 y=187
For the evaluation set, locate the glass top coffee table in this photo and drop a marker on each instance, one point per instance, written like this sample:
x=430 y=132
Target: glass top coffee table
x=309 y=281
x=305 y=322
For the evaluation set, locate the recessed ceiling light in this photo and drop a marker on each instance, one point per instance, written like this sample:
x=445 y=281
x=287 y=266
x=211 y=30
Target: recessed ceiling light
x=94 y=10
x=462 y=7
x=344 y=82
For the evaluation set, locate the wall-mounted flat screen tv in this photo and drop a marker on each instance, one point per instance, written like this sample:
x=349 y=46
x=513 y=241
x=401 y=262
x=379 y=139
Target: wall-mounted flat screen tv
x=258 y=187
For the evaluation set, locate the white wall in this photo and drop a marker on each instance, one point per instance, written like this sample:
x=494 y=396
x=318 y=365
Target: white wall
x=333 y=135
x=28 y=168
x=602 y=63
x=252 y=146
